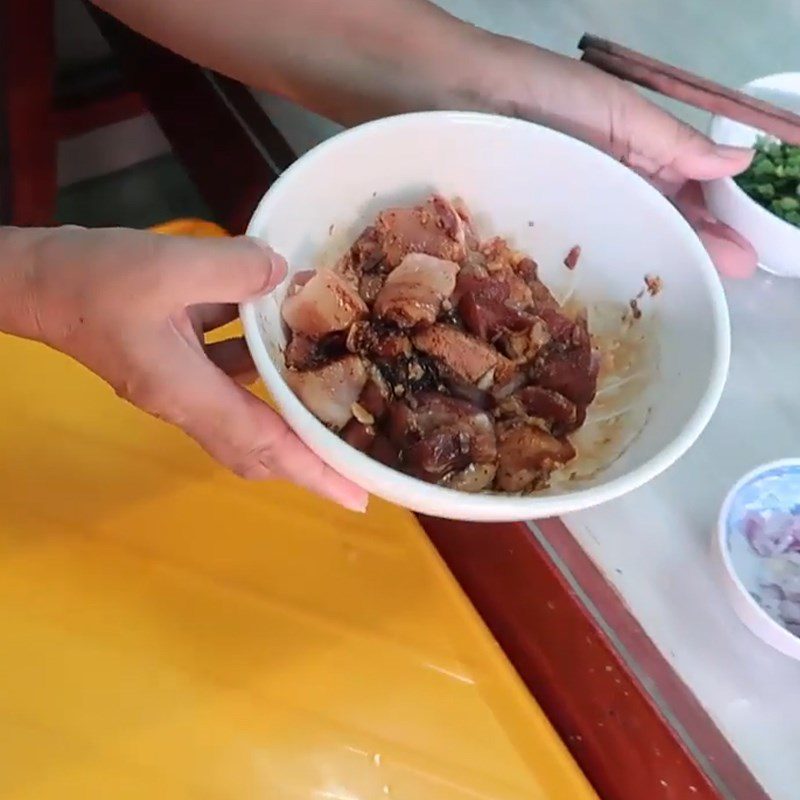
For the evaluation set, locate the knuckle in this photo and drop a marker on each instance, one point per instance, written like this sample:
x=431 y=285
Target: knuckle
x=137 y=390
x=159 y=258
x=255 y=464
x=262 y=461
x=252 y=469
x=153 y=277
x=147 y=393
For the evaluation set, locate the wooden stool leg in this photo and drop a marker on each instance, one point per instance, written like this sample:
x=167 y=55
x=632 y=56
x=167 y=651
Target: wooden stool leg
x=28 y=180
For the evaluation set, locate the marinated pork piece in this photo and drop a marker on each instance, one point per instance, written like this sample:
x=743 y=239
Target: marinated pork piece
x=571 y=259
x=438 y=435
x=527 y=455
x=472 y=267
x=499 y=256
x=559 y=415
x=474 y=478
x=541 y=297
x=507 y=381
x=326 y=303
x=487 y=310
x=371 y=407
x=301 y=353
x=364 y=257
x=370 y=285
x=520 y=295
x=384 y=451
x=364 y=265
x=359 y=435
x=405 y=376
x=305 y=353
x=330 y=391
x=567 y=364
x=441 y=355
x=467 y=357
x=470 y=392
x=374 y=398
x=413 y=293
x=434 y=228
x=300 y=278
x=502 y=264
x=433 y=410
x=378 y=341
x=522 y=346
x=471 y=239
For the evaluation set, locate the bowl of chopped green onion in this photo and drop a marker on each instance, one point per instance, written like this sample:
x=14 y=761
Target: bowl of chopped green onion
x=773 y=179
x=763 y=202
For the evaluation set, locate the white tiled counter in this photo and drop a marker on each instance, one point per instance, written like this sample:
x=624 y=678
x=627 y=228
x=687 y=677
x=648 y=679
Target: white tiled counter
x=654 y=545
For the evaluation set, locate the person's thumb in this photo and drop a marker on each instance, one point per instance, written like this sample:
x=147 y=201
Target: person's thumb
x=664 y=149
x=221 y=270
x=698 y=158
x=169 y=378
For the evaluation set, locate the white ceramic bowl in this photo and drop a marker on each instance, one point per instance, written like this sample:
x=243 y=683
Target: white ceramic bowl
x=770 y=486
x=546 y=192
x=776 y=242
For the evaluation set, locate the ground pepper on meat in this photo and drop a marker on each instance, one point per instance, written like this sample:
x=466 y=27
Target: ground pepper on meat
x=442 y=354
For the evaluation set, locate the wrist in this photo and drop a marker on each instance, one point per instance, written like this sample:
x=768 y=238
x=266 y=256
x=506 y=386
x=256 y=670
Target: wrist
x=476 y=71
x=523 y=80
x=497 y=76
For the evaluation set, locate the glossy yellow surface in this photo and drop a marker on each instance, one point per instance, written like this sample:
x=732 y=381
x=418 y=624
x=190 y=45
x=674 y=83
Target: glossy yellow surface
x=190 y=227
x=168 y=631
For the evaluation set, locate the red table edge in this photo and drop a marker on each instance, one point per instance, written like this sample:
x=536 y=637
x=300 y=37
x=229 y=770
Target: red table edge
x=531 y=581
x=648 y=664
x=529 y=584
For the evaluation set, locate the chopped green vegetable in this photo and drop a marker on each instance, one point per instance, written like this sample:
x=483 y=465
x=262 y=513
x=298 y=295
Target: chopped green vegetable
x=773 y=179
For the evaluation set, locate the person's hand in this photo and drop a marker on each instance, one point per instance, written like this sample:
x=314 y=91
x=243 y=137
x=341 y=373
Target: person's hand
x=133 y=307
x=607 y=112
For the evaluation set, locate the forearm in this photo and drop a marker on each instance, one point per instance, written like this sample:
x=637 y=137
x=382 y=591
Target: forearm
x=350 y=60
x=19 y=251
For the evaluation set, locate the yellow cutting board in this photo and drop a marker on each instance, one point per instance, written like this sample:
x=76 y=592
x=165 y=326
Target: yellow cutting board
x=169 y=631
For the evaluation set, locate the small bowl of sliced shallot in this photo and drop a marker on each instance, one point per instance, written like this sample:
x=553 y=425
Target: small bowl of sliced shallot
x=757 y=549
x=485 y=319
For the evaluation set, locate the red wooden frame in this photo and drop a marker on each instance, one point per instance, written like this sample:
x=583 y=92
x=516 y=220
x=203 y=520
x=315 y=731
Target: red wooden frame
x=74 y=116
x=27 y=139
x=33 y=119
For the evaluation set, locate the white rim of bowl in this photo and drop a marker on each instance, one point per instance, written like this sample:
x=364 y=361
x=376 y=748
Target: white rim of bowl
x=713 y=128
x=499 y=506
x=722 y=542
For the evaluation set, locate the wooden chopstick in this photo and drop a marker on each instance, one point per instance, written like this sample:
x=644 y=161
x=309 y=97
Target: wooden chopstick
x=689 y=88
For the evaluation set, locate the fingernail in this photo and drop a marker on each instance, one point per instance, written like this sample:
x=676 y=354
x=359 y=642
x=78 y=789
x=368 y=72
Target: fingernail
x=733 y=255
x=713 y=227
x=729 y=152
x=261 y=243
x=356 y=504
x=278 y=263
x=279 y=269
